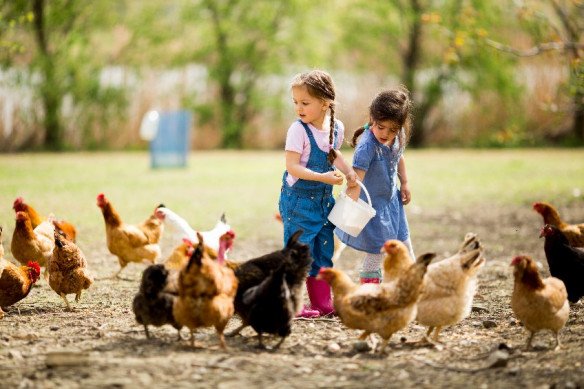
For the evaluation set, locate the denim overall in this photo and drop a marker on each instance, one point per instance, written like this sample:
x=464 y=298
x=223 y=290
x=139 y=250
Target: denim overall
x=307 y=204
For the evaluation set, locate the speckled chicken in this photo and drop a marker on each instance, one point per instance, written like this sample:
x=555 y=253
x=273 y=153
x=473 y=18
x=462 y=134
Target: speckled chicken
x=540 y=304
x=449 y=287
x=67 y=269
x=153 y=303
x=378 y=308
x=206 y=292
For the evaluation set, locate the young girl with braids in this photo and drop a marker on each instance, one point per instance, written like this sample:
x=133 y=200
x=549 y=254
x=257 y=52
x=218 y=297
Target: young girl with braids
x=313 y=160
x=379 y=162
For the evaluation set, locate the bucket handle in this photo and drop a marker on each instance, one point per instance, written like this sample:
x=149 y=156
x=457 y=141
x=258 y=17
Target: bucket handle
x=365 y=190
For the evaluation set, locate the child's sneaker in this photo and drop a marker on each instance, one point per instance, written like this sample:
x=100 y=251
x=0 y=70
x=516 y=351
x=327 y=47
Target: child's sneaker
x=370 y=277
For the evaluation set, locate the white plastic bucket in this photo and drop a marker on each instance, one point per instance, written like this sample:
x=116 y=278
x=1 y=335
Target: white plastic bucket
x=351 y=216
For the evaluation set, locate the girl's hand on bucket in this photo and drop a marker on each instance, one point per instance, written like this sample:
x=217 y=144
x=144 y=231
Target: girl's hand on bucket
x=351 y=179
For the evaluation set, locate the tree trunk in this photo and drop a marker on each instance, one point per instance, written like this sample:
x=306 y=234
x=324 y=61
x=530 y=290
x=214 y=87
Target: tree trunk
x=49 y=89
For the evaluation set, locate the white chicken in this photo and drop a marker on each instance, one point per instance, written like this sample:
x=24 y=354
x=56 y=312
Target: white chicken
x=182 y=228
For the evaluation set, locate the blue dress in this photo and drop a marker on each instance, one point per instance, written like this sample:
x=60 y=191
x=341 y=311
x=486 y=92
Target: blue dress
x=306 y=205
x=380 y=162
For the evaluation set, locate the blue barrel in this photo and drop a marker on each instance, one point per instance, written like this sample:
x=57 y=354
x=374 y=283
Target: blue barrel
x=170 y=147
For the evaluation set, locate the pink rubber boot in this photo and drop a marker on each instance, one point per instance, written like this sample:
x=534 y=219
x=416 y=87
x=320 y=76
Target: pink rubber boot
x=319 y=292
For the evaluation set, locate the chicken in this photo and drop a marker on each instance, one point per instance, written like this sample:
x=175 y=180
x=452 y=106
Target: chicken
x=16 y=282
x=270 y=290
x=540 y=304
x=396 y=261
x=1 y=245
x=179 y=257
x=449 y=287
x=184 y=230
x=152 y=304
x=68 y=269
x=296 y=258
x=128 y=242
x=574 y=232
x=153 y=227
x=28 y=244
x=378 y=308
x=68 y=228
x=565 y=262
x=206 y=291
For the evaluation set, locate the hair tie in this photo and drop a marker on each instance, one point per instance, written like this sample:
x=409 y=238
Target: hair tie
x=366 y=126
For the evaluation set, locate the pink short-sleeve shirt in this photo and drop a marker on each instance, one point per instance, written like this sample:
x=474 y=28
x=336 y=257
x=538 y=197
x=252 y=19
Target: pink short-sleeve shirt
x=298 y=142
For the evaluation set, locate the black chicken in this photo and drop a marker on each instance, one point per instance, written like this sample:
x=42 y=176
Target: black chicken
x=153 y=303
x=270 y=289
x=565 y=262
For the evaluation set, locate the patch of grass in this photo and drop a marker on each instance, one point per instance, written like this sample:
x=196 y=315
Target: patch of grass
x=246 y=185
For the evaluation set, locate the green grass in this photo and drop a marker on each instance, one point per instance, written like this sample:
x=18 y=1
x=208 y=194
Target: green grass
x=246 y=184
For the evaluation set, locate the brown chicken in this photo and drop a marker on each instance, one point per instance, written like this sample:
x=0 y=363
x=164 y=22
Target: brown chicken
x=206 y=292
x=28 y=244
x=449 y=288
x=574 y=232
x=378 y=308
x=68 y=228
x=68 y=269
x=540 y=304
x=130 y=243
x=396 y=261
x=16 y=282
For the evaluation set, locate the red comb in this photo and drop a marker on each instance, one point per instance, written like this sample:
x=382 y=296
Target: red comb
x=34 y=265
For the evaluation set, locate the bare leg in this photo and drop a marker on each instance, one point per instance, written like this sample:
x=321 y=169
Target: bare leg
x=384 y=342
x=260 y=343
x=528 y=347
x=192 y=338
x=277 y=346
x=558 y=345
x=364 y=335
x=64 y=297
x=222 y=340
x=237 y=330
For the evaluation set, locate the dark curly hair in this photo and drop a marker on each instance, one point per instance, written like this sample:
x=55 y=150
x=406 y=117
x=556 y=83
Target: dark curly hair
x=391 y=104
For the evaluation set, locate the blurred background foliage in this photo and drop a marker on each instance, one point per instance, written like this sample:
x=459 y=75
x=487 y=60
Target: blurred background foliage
x=79 y=74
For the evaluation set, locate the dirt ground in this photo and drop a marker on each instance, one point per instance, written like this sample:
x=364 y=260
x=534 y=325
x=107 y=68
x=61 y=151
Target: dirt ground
x=99 y=344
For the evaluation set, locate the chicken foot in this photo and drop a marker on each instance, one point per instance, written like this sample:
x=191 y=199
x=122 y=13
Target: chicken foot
x=146 y=331
x=236 y=331
x=364 y=335
x=64 y=297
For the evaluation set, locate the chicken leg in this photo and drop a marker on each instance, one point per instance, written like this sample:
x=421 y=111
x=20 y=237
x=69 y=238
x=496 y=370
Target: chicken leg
x=64 y=297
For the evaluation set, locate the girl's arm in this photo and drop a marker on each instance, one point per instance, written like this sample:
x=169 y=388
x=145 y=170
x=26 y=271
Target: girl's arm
x=294 y=167
x=346 y=169
x=403 y=180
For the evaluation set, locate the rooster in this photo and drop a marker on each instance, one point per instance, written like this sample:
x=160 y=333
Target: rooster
x=16 y=282
x=565 y=262
x=449 y=287
x=28 y=244
x=212 y=237
x=68 y=269
x=540 y=304
x=206 y=291
x=574 y=232
x=130 y=243
x=68 y=228
x=378 y=308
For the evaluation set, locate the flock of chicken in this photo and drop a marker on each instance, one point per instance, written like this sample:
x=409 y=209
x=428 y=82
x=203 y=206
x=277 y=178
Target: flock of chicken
x=197 y=286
